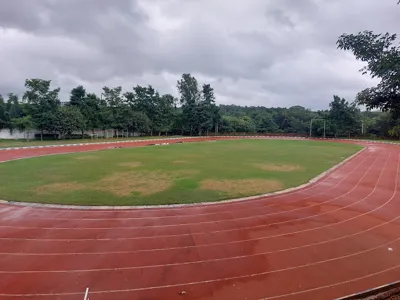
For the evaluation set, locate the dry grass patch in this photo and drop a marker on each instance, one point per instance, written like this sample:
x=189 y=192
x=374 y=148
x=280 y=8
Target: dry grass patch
x=146 y=183
x=59 y=187
x=242 y=186
x=124 y=184
x=133 y=164
x=280 y=168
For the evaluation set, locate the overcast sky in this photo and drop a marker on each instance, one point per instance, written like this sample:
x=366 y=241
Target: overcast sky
x=253 y=52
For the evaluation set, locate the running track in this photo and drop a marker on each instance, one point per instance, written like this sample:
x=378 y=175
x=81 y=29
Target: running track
x=327 y=240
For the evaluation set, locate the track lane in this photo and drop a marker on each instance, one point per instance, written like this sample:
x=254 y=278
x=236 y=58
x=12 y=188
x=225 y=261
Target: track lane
x=360 y=220
x=313 y=202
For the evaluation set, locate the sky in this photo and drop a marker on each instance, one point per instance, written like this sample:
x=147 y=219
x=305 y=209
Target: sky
x=255 y=52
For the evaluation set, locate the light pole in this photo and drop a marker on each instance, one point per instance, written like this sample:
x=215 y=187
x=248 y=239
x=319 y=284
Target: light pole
x=362 y=127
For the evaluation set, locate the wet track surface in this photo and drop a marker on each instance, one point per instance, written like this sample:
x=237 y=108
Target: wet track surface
x=337 y=236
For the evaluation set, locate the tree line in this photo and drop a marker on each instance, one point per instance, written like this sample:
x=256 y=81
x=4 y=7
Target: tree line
x=144 y=110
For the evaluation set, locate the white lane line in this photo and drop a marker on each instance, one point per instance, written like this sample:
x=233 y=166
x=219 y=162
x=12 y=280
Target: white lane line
x=214 y=260
x=220 y=279
x=256 y=198
x=263 y=238
x=86 y=294
x=178 y=248
x=211 y=222
x=255 y=239
x=227 y=230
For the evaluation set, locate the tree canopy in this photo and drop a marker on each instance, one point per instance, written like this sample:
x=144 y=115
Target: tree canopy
x=144 y=110
x=383 y=62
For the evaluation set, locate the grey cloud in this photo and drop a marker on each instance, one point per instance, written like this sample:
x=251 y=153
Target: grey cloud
x=255 y=52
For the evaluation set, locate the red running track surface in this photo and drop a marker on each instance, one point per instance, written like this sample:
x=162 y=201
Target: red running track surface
x=326 y=240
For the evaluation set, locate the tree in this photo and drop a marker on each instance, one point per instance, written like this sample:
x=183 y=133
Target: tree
x=140 y=123
x=114 y=101
x=234 y=124
x=145 y=100
x=13 y=107
x=77 y=96
x=164 y=112
x=43 y=103
x=208 y=116
x=3 y=119
x=198 y=107
x=24 y=124
x=68 y=119
x=92 y=112
x=383 y=62
x=190 y=96
x=229 y=124
x=264 y=122
x=345 y=118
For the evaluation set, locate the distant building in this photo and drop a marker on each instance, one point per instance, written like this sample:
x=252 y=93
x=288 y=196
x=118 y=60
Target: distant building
x=63 y=103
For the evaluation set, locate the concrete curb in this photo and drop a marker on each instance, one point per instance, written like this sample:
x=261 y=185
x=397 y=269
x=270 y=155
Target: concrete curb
x=370 y=291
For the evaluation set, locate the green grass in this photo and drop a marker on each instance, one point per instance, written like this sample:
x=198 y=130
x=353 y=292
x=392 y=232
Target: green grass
x=23 y=143
x=177 y=173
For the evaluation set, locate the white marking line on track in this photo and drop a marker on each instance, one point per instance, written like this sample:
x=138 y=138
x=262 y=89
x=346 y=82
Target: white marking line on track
x=256 y=199
x=258 y=254
x=182 y=206
x=213 y=280
x=153 y=250
x=86 y=294
x=202 y=233
x=220 y=259
x=336 y=283
x=346 y=281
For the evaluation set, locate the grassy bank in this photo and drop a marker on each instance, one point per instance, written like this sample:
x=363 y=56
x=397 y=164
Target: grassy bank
x=177 y=173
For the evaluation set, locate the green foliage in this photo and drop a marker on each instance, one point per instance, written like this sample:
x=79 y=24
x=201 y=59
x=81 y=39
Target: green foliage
x=144 y=110
x=140 y=123
x=43 y=103
x=23 y=124
x=68 y=119
x=13 y=107
x=344 y=117
x=3 y=118
x=395 y=131
x=383 y=62
x=164 y=113
x=77 y=97
x=198 y=107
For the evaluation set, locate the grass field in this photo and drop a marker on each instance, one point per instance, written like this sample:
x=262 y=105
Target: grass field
x=24 y=143
x=177 y=173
